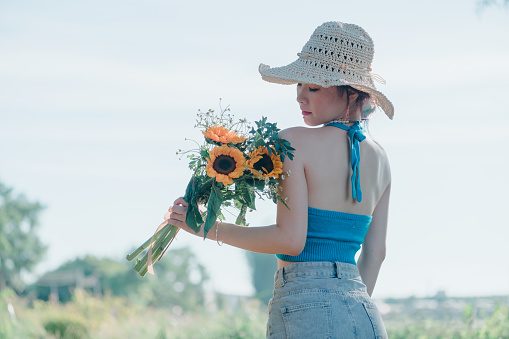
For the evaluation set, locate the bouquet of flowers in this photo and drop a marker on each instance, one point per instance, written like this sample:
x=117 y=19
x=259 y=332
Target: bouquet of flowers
x=236 y=163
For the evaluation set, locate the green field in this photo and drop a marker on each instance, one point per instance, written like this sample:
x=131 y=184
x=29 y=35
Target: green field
x=86 y=316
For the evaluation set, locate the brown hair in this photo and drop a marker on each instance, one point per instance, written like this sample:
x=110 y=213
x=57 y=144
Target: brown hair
x=363 y=98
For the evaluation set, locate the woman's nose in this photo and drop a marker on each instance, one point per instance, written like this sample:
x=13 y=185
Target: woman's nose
x=301 y=95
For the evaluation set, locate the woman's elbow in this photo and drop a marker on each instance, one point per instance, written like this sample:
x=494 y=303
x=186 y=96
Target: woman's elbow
x=291 y=239
x=294 y=247
x=377 y=254
x=294 y=251
x=380 y=255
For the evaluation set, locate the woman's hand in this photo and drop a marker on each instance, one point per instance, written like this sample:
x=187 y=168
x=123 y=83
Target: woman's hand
x=177 y=216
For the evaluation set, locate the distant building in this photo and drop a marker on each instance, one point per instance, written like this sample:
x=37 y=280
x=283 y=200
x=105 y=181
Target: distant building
x=67 y=281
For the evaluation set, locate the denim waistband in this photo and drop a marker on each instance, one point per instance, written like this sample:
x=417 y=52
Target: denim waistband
x=318 y=269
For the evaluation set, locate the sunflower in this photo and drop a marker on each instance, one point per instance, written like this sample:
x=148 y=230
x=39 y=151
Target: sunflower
x=264 y=164
x=225 y=163
x=223 y=135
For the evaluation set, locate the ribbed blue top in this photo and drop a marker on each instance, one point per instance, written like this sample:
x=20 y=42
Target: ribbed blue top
x=332 y=236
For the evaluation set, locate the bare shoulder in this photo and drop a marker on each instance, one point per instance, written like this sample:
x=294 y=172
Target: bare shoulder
x=297 y=136
x=293 y=133
x=380 y=151
x=303 y=140
x=303 y=136
x=383 y=160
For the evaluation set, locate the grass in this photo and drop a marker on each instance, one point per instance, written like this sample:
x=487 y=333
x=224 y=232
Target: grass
x=86 y=316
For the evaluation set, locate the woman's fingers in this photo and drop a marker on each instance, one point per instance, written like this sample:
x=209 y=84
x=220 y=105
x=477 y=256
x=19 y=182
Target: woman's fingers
x=167 y=215
x=176 y=222
x=179 y=209
x=180 y=201
x=176 y=215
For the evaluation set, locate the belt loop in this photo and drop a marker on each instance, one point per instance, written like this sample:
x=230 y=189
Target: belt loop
x=280 y=280
x=337 y=269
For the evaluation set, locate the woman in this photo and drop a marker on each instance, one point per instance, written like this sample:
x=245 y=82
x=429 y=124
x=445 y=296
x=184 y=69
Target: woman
x=320 y=291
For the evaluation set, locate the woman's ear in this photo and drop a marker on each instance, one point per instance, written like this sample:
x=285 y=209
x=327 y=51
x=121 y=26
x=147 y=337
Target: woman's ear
x=352 y=95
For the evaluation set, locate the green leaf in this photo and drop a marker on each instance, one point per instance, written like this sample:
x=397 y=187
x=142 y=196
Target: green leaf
x=204 y=153
x=250 y=198
x=193 y=216
x=245 y=194
x=213 y=207
x=204 y=191
x=258 y=140
x=260 y=184
x=282 y=200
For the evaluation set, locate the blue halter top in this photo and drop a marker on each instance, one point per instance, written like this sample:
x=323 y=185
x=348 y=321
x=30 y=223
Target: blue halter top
x=336 y=236
x=332 y=236
x=356 y=135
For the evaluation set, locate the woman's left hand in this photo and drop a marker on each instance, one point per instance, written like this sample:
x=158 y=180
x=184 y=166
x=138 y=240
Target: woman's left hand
x=177 y=216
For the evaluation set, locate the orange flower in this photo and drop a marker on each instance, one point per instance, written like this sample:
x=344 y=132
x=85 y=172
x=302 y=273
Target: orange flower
x=223 y=135
x=263 y=164
x=225 y=164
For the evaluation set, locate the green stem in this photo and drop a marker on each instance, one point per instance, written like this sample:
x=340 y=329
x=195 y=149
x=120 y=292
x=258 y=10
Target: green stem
x=241 y=219
x=140 y=249
x=157 y=250
x=163 y=236
x=143 y=272
x=143 y=262
x=169 y=237
x=140 y=263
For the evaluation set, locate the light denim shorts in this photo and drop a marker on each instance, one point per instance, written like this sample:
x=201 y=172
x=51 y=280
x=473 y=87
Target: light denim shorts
x=322 y=300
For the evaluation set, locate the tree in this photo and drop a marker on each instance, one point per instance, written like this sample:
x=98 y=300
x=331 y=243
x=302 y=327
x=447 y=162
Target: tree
x=263 y=267
x=484 y=4
x=20 y=248
x=178 y=280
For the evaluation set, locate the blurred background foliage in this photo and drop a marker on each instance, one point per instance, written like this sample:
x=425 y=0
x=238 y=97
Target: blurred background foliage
x=263 y=267
x=20 y=248
x=89 y=316
x=92 y=297
x=483 y=4
x=178 y=280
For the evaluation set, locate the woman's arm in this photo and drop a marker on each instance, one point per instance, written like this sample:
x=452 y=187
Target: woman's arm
x=287 y=236
x=373 y=248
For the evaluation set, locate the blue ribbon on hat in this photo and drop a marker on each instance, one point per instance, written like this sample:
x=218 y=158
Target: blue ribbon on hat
x=356 y=135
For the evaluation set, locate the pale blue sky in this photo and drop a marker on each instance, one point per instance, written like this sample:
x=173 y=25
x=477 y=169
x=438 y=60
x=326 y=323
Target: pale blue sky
x=97 y=96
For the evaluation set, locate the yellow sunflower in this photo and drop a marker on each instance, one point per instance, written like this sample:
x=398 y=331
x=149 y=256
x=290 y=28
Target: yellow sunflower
x=223 y=135
x=225 y=163
x=264 y=164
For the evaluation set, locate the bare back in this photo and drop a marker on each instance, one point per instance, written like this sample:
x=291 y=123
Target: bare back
x=325 y=156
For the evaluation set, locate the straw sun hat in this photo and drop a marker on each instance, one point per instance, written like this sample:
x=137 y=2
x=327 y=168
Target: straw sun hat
x=337 y=54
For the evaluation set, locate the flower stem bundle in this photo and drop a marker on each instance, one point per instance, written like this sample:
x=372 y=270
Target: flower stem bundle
x=158 y=244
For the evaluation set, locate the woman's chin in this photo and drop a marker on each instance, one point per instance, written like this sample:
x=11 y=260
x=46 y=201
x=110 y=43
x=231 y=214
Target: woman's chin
x=308 y=120
x=311 y=122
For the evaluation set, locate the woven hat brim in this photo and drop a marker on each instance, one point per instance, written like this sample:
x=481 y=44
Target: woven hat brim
x=296 y=73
